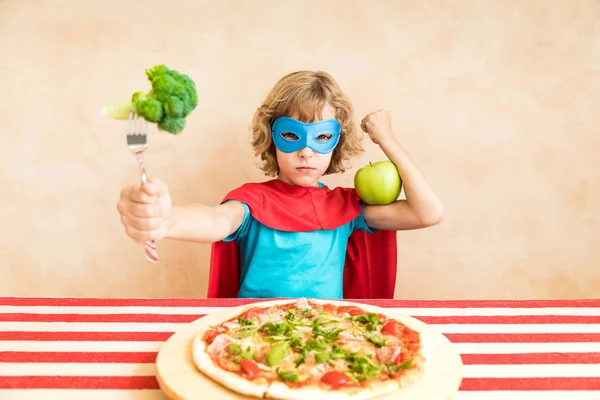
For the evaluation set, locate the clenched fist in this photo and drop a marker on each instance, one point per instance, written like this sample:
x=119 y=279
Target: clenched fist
x=144 y=210
x=378 y=125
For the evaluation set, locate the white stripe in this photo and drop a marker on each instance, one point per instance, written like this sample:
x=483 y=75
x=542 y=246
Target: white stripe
x=462 y=348
x=532 y=371
x=517 y=348
x=67 y=394
x=580 y=311
x=36 y=394
x=75 y=394
x=528 y=395
x=515 y=328
x=77 y=369
x=173 y=326
x=108 y=346
x=108 y=310
x=443 y=312
x=91 y=326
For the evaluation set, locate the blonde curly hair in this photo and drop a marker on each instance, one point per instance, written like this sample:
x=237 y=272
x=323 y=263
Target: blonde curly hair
x=304 y=94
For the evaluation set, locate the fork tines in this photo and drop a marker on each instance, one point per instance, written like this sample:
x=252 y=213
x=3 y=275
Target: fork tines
x=138 y=130
x=136 y=138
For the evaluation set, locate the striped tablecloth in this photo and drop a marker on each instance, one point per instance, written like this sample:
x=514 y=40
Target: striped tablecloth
x=91 y=348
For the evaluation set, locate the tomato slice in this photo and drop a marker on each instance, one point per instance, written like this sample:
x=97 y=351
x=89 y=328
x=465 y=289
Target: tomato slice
x=356 y=311
x=352 y=310
x=211 y=335
x=390 y=328
x=250 y=368
x=335 y=378
x=398 y=359
x=251 y=313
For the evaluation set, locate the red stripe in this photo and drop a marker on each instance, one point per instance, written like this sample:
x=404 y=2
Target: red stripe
x=530 y=384
x=482 y=303
x=88 y=336
x=151 y=256
x=78 y=382
x=25 y=317
x=77 y=357
x=149 y=382
x=178 y=302
x=185 y=318
x=522 y=337
x=513 y=319
x=150 y=249
x=532 y=358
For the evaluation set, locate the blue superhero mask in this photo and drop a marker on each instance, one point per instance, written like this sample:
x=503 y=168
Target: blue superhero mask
x=306 y=135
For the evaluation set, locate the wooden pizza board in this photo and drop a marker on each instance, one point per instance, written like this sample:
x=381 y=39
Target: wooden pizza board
x=179 y=378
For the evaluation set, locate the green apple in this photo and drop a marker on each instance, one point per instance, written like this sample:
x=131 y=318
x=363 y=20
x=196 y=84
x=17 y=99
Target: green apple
x=378 y=183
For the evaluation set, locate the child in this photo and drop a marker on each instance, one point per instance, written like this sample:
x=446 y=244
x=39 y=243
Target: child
x=292 y=236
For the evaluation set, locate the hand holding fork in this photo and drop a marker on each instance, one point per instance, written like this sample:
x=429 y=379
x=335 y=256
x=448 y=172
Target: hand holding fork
x=137 y=142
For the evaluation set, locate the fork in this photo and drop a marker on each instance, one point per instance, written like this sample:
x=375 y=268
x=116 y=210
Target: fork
x=137 y=143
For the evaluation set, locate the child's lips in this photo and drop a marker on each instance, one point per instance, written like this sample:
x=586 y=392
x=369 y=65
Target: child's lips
x=305 y=169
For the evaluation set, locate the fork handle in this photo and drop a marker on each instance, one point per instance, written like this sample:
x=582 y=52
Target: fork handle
x=151 y=252
x=140 y=160
x=150 y=246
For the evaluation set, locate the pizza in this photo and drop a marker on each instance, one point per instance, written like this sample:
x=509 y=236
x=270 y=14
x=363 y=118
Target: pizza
x=310 y=349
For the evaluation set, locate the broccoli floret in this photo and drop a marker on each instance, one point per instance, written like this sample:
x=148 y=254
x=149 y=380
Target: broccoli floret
x=172 y=98
x=163 y=86
x=147 y=107
x=158 y=70
x=174 y=107
x=173 y=125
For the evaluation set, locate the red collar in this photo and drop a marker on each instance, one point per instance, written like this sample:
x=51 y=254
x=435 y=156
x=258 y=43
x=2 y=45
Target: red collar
x=282 y=206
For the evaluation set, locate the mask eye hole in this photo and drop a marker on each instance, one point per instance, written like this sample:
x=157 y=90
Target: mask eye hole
x=324 y=137
x=289 y=136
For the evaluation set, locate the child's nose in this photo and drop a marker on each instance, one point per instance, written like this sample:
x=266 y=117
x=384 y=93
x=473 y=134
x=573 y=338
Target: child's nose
x=306 y=152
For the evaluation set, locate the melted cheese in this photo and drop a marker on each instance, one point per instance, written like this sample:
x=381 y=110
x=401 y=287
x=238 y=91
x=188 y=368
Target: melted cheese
x=218 y=346
x=270 y=316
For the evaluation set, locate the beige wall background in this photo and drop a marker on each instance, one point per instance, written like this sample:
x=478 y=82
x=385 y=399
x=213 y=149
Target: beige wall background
x=496 y=101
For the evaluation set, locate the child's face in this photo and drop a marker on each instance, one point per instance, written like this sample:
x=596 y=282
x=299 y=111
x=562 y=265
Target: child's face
x=305 y=167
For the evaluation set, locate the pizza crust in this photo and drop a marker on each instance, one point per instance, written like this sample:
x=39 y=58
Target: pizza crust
x=414 y=373
x=379 y=388
x=281 y=391
x=205 y=364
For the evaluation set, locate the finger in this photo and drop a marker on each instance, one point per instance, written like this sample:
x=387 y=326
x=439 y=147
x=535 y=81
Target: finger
x=364 y=126
x=125 y=192
x=137 y=195
x=144 y=210
x=123 y=207
x=130 y=230
x=120 y=207
x=154 y=187
x=142 y=236
x=132 y=222
x=125 y=221
x=144 y=224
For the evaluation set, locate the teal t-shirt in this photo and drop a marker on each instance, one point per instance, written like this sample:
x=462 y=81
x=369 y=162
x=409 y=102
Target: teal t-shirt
x=276 y=263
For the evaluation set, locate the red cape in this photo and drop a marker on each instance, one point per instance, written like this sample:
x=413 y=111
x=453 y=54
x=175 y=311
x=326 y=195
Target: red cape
x=370 y=266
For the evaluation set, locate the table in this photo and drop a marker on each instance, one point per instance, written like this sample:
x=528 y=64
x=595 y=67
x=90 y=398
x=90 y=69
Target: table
x=105 y=348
